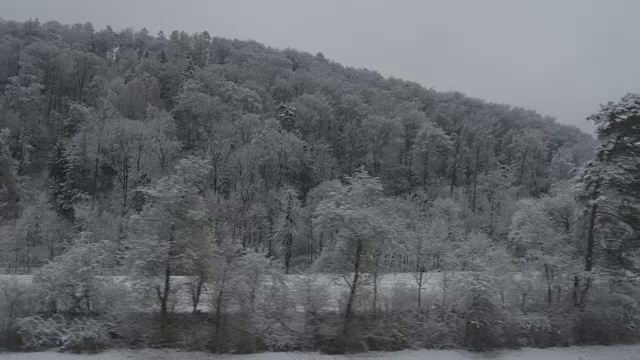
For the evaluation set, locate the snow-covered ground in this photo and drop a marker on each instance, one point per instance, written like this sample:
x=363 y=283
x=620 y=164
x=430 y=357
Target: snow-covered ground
x=625 y=352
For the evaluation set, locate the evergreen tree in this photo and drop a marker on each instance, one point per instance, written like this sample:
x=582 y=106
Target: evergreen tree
x=610 y=183
x=286 y=232
x=8 y=180
x=59 y=196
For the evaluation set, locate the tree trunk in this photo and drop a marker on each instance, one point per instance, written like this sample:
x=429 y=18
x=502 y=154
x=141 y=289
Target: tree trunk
x=164 y=296
x=420 y=290
x=375 y=286
x=287 y=253
x=454 y=174
x=288 y=246
x=580 y=295
x=95 y=176
x=125 y=189
x=576 y=284
x=475 y=181
x=218 y=315
x=522 y=166
x=353 y=287
x=549 y=277
x=28 y=251
x=270 y=242
x=425 y=173
x=52 y=250
x=559 y=297
x=309 y=246
x=532 y=181
x=15 y=259
x=195 y=296
x=215 y=175
x=588 y=264
x=444 y=292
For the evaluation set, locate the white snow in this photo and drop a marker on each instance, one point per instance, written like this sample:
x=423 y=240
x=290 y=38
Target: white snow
x=620 y=352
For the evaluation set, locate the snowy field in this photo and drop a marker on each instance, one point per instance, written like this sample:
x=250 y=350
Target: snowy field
x=626 y=352
x=327 y=289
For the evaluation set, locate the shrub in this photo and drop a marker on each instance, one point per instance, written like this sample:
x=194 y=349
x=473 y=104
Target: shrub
x=38 y=333
x=384 y=339
x=433 y=331
x=78 y=335
x=85 y=335
x=532 y=330
x=70 y=284
x=16 y=301
x=327 y=334
x=608 y=319
x=485 y=318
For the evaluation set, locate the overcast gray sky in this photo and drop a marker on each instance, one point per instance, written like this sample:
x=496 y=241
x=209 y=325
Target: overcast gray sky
x=559 y=57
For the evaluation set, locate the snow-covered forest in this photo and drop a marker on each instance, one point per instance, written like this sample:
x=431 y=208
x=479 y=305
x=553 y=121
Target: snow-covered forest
x=191 y=191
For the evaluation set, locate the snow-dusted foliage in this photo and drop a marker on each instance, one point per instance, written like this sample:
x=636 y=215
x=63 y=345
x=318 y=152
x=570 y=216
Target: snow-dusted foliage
x=609 y=183
x=614 y=116
x=192 y=191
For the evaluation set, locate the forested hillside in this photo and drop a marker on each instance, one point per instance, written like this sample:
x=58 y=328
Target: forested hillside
x=127 y=153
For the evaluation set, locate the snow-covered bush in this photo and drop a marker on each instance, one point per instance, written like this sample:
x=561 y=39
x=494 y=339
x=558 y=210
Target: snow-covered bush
x=85 y=335
x=531 y=330
x=484 y=317
x=609 y=319
x=71 y=284
x=386 y=338
x=403 y=299
x=38 y=333
x=16 y=301
x=430 y=330
x=77 y=307
x=78 y=335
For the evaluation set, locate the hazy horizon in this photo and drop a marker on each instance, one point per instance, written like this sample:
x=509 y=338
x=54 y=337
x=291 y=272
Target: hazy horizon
x=552 y=57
